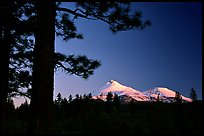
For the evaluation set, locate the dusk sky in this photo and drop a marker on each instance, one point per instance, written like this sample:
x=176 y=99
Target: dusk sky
x=166 y=54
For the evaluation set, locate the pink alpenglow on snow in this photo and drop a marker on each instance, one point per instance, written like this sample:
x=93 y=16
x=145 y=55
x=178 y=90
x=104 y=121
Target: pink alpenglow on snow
x=124 y=92
x=116 y=88
x=165 y=94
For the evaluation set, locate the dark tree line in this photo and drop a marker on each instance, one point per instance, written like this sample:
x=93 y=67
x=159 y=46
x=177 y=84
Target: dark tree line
x=84 y=115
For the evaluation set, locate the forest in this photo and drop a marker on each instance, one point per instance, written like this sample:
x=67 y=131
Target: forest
x=84 y=115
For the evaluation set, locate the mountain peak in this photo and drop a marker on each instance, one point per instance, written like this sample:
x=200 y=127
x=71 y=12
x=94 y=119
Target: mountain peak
x=121 y=90
x=112 y=82
x=112 y=86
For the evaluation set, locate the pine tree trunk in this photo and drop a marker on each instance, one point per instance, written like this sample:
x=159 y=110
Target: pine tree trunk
x=43 y=69
x=4 y=73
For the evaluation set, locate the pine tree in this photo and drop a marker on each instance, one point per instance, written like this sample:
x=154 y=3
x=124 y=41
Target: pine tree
x=58 y=101
x=109 y=97
x=178 y=98
x=193 y=95
x=11 y=30
x=77 y=96
x=116 y=100
x=158 y=98
x=89 y=95
x=70 y=98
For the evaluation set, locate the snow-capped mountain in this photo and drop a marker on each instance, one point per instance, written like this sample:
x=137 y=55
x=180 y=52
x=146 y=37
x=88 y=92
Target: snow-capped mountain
x=122 y=91
x=127 y=94
x=164 y=94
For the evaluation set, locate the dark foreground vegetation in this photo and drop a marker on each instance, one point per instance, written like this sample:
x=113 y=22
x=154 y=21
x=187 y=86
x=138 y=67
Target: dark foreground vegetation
x=88 y=116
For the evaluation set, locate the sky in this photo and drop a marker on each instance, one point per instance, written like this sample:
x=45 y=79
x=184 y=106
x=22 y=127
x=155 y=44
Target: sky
x=166 y=54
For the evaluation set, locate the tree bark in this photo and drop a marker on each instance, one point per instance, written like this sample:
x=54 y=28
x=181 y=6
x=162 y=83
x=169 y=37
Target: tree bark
x=4 y=71
x=43 y=69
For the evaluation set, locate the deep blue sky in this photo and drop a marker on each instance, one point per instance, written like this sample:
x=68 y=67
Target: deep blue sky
x=167 y=54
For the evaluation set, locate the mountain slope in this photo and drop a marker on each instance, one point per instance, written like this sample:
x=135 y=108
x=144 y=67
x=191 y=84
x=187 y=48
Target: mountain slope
x=164 y=94
x=116 y=88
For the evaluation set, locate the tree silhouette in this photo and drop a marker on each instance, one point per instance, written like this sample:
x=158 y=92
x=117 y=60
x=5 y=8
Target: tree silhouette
x=158 y=98
x=116 y=99
x=115 y=14
x=4 y=62
x=21 y=53
x=42 y=84
x=77 y=96
x=79 y=65
x=85 y=96
x=70 y=98
x=89 y=95
x=178 y=98
x=58 y=101
x=11 y=26
x=23 y=111
x=109 y=97
x=193 y=94
x=21 y=47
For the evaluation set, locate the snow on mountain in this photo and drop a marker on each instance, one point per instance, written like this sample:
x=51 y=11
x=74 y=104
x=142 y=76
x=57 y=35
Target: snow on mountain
x=127 y=94
x=116 y=88
x=164 y=94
